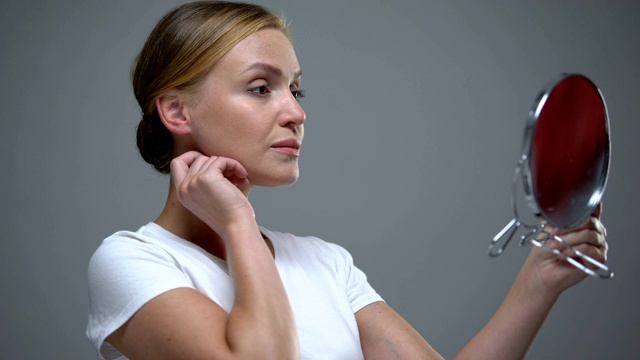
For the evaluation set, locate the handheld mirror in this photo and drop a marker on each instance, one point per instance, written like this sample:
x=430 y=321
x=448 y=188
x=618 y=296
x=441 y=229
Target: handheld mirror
x=563 y=167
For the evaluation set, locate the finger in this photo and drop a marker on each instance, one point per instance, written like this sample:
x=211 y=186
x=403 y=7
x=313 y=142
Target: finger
x=598 y=211
x=585 y=236
x=180 y=165
x=592 y=224
x=189 y=157
x=217 y=168
x=597 y=254
x=233 y=171
x=199 y=165
x=187 y=169
x=597 y=214
x=599 y=226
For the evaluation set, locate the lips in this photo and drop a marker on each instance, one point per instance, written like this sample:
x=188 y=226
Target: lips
x=289 y=147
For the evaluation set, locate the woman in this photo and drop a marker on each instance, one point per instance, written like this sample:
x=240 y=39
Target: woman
x=218 y=84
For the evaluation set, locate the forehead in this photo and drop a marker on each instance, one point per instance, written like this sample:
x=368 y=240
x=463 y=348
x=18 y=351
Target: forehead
x=267 y=46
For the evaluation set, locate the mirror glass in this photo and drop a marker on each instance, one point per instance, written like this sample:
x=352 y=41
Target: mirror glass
x=568 y=153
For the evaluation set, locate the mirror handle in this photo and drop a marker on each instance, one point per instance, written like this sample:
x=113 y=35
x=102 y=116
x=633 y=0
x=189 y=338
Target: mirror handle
x=509 y=230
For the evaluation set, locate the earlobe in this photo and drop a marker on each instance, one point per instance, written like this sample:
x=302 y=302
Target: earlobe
x=172 y=113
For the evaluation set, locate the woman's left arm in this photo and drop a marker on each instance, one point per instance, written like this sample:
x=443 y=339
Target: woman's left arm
x=384 y=335
x=511 y=331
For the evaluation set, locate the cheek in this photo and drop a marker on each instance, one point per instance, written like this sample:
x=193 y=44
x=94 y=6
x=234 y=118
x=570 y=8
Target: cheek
x=236 y=128
x=238 y=140
x=210 y=129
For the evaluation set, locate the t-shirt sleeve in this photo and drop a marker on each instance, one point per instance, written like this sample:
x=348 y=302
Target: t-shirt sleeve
x=124 y=274
x=359 y=291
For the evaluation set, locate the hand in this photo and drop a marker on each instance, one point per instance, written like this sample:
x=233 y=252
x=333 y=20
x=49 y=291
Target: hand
x=552 y=274
x=212 y=188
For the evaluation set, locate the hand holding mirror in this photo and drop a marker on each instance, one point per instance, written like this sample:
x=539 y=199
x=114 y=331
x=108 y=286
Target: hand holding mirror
x=564 y=167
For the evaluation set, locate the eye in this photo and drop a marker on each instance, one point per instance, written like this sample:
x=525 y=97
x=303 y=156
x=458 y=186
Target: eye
x=260 y=90
x=298 y=94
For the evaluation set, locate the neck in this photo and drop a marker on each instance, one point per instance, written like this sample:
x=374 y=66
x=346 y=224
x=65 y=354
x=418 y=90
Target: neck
x=178 y=220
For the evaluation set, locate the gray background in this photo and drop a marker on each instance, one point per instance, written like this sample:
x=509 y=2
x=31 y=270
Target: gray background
x=415 y=119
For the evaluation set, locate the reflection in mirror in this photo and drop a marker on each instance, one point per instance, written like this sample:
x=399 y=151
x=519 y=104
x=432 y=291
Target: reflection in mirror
x=564 y=167
x=569 y=152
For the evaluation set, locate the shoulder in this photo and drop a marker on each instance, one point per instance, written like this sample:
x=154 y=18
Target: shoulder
x=309 y=251
x=127 y=248
x=127 y=261
x=327 y=263
x=126 y=271
x=311 y=244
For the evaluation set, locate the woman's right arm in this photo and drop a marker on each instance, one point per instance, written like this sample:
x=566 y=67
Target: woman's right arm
x=183 y=323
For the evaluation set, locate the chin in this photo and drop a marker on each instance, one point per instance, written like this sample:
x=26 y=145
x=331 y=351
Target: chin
x=275 y=180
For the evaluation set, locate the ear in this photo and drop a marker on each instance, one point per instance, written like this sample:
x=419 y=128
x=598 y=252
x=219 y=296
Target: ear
x=172 y=112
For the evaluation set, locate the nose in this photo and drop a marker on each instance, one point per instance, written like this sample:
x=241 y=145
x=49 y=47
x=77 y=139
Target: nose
x=292 y=114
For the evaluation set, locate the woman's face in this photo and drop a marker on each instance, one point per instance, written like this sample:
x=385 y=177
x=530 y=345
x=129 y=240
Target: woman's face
x=247 y=109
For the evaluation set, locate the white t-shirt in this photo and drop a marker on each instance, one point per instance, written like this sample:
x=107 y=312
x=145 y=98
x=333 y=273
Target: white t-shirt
x=323 y=285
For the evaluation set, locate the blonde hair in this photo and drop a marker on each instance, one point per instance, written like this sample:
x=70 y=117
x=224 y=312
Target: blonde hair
x=181 y=49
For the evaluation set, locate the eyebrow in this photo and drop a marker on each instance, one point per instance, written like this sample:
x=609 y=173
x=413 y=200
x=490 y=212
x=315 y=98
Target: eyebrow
x=270 y=69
